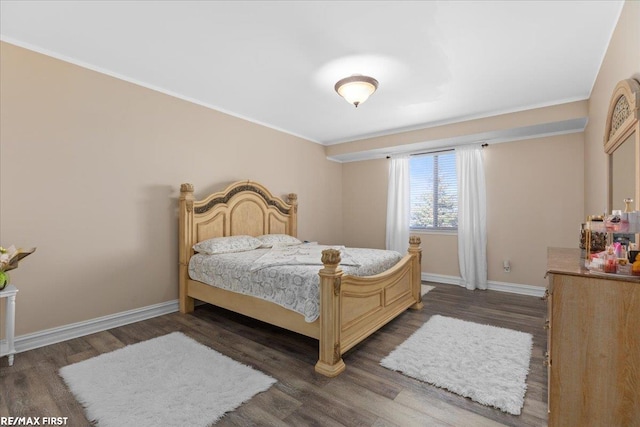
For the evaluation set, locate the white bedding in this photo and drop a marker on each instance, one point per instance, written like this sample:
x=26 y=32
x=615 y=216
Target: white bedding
x=302 y=254
x=294 y=287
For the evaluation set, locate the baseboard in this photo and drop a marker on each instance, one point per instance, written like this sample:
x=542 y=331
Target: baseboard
x=75 y=330
x=4 y=348
x=440 y=278
x=516 y=288
x=512 y=288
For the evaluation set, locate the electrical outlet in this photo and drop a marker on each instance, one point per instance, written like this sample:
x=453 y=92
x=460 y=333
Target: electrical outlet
x=506 y=266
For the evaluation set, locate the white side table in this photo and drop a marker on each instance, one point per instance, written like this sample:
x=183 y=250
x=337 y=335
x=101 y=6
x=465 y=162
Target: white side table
x=9 y=349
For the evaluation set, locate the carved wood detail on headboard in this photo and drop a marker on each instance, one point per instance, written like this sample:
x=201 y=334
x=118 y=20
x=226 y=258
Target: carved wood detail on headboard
x=277 y=203
x=622 y=116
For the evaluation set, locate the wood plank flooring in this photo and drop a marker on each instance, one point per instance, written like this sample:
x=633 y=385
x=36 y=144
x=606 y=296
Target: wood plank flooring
x=366 y=394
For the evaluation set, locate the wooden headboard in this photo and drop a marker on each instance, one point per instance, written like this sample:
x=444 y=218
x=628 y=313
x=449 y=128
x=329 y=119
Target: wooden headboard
x=243 y=208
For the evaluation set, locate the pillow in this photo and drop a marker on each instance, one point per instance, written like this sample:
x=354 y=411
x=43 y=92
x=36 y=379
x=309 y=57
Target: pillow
x=271 y=240
x=224 y=245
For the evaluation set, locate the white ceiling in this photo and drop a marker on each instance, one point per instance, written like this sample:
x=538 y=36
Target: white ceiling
x=276 y=63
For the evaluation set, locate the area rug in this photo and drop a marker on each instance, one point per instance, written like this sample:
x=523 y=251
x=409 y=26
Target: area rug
x=171 y=380
x=426 y=288
x=484 y=363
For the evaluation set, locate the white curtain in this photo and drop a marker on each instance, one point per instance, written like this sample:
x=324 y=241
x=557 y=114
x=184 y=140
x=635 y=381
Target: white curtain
x=398 y=205
x=472 y=217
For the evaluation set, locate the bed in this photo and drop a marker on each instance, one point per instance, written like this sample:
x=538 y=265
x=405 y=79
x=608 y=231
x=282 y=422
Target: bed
x=350 y=307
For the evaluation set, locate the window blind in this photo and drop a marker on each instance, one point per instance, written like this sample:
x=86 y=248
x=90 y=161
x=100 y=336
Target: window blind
x=434 y=191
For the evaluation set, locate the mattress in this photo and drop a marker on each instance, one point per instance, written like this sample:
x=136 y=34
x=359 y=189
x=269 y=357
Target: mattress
x=294 y=287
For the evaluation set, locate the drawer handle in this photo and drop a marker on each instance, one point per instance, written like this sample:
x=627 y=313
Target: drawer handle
x=547 y=324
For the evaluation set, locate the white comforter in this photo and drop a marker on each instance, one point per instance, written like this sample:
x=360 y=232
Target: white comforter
x=305 y=254
x=294 y=287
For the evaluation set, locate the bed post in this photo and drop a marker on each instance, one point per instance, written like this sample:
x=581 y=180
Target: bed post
x=330 y=363
x=292 y=199
x=185 y=242
x=416 y=265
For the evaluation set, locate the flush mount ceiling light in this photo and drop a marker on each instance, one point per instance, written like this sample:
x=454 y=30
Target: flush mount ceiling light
x=356 y=89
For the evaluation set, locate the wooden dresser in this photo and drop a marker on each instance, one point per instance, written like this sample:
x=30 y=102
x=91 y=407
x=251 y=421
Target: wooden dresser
x=593 y=345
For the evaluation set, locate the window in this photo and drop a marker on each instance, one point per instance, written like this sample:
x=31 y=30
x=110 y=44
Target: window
x=434 y=191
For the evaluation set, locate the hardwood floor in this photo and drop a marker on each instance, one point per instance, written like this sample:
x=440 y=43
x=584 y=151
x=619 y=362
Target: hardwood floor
x=366 y=394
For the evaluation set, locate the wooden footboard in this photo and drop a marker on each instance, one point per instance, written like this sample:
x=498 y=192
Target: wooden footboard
x=352 y=308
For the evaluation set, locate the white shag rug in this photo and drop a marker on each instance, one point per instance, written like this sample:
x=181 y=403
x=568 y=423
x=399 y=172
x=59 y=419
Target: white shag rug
x=171 y=380
x=484 y=363
x=426 y=288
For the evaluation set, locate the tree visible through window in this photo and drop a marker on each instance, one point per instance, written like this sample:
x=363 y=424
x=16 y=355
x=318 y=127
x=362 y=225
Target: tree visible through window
x=434 y=191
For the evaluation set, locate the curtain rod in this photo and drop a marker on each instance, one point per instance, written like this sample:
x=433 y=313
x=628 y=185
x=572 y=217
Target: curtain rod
x=438 y=151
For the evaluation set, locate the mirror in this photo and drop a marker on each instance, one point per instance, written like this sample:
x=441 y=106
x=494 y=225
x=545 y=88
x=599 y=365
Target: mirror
x=622 y=143
x=623 y=170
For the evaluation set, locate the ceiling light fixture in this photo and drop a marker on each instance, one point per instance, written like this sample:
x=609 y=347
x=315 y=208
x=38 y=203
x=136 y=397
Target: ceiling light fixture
x=356 y=89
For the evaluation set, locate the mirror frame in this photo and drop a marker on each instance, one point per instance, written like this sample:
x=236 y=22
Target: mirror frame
x=622 y=123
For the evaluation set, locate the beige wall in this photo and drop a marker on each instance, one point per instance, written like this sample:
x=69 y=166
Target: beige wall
x=90 y=173
x=621 y=61
x=534 y=200
x=364 y=203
